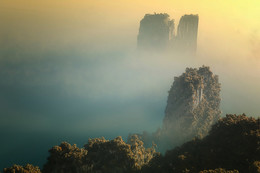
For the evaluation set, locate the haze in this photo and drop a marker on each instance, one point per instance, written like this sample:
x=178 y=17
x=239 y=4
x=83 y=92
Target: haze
x=69 y=70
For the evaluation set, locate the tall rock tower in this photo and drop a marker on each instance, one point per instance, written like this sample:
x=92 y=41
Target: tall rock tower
x=187 y=33
x=155 y=31
x=193 y=105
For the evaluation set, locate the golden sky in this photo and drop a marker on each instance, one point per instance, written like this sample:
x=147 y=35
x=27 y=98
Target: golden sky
x=228 y=29
x=50 y=22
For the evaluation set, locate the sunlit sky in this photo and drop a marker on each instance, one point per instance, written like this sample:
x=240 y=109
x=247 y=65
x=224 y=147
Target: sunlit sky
x=58 y=23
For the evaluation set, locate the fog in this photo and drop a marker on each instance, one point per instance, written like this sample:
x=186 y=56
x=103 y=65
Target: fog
x=72 y=71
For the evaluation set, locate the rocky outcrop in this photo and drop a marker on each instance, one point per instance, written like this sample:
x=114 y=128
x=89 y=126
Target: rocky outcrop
x=193 y=105
x=187 y=33
x=157 y=32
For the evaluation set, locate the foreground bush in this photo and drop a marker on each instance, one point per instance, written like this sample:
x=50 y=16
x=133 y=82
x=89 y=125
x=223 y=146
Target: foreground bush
x=232 y=144
x=22 y=169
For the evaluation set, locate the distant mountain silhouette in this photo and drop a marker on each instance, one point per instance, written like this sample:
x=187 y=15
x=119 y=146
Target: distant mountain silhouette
x=157 y=32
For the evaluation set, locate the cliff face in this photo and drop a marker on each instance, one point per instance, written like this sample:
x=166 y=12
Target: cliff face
x=187 y=33
x=192 y=106
x=157 y=32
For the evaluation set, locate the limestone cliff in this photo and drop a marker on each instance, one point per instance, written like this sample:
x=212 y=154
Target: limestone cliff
x=155 y=31
x=187 y=33
x=193 y=105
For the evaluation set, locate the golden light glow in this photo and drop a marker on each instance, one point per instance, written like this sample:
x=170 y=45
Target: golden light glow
x=86 y=21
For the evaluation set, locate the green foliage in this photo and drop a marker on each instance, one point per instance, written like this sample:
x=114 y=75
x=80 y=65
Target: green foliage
x=22 y=169
x=141 y=155
x=66 y=158
x=255 y=167
x=98 y=156
x=110 y=156
x=232 y=143
x=219 y=170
